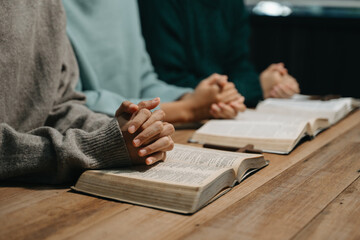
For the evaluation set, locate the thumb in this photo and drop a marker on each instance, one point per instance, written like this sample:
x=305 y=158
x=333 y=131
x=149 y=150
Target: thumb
x=222 y=81
x=216 y=78
x=151 y=104
x=126 y=107
x=280 y=67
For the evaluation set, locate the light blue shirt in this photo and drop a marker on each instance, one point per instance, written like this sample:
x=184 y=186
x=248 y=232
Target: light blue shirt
x=113 y=62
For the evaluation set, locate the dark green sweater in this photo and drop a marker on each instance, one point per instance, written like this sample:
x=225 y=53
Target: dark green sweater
x=190 y=39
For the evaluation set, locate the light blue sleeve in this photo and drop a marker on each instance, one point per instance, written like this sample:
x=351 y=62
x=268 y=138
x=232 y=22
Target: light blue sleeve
x=105 y=101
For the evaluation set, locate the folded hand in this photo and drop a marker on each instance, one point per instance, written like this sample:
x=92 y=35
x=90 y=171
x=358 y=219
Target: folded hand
x=277 y=83
x=147 y=137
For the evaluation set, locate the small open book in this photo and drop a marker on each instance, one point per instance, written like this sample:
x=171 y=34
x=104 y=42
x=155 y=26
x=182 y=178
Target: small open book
x=276 y=125
x=190 y=178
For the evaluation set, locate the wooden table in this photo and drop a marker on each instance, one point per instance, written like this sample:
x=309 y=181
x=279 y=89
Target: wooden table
x=313 y=193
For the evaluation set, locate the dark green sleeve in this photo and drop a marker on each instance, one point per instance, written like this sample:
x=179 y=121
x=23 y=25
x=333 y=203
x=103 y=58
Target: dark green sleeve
x=164 y=32
x=166 y=28
x=238 y=67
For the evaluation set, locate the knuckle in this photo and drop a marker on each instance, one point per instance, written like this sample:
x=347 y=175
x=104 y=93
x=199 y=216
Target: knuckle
x=164 y=156
x=142 y=104
x=171 y=128
x=142 y=127
x=141 y=137
x=135 y=122
x=126 y=103
x=158 y=126
x=172 y=144
x=161 y=113
x=150 y=148
x=144 y=135
x=167 y=140
x=145 y=111
x=218 y=98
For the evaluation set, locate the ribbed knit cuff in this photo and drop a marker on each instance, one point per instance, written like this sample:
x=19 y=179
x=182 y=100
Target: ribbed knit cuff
x=107 y=147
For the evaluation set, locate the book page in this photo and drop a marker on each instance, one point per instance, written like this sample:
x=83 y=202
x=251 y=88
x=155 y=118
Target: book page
x=186 y=165
x=207 y=157
x=333 y=110
x=268 y=116
x=315 y=124
x=171 y=172
x=249 y=129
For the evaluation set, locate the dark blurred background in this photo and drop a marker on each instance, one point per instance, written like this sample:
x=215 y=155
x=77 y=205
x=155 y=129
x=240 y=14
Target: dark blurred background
x=319 y=42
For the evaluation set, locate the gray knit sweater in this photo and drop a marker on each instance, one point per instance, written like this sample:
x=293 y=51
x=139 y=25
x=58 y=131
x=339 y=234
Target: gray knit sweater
x=46 y=134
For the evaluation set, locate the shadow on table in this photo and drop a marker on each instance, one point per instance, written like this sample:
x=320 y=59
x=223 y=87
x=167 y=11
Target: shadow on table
x=192 y=125
x=34 y=186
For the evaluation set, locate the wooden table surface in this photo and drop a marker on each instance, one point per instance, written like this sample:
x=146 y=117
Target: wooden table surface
x=312 y=193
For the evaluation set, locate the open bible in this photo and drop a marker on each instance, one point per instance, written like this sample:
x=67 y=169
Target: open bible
x=276 y=125
x=190 y=178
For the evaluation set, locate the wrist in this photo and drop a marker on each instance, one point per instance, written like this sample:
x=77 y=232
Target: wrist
x=264 y=86
x=266 y=93
x=187 y=110
x=178 y=111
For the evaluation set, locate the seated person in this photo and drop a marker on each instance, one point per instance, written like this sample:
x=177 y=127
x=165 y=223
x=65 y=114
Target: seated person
x=190 y=39
x=47 y=135
x=114 y=66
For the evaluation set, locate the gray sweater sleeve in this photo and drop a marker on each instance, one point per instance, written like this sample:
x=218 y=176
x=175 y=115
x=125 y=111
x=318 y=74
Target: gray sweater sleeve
x=70 y=140
x=46 y=133
x=47 y=155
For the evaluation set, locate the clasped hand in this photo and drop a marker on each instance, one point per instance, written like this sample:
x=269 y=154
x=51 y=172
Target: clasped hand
x=276 y=82
x=216 y=97
x=147 y=137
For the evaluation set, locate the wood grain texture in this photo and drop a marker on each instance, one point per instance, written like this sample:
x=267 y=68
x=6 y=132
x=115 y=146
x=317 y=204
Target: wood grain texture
x=49 y=217
x=14 y=196
x=285 y=198
x=339 y=220
x=159 y=225
x=283 y=206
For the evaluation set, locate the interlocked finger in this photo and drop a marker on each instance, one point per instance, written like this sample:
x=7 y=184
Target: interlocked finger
x=158 y=156
x=229 y=95
x=157 y=115
x=168 y=130
x=162 y=144
x=138 y=119
x=227 y=111
x=238 y=104
x=150 y=104
x=148 y=133
x=126 y=107
x=215 y=110
x=292 y=84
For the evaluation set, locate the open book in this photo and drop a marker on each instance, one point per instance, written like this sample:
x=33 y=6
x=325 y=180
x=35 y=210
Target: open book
x=189 y=179
x=277 y=125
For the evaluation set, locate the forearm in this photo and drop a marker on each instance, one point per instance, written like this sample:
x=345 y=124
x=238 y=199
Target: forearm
x=185 y=110
x=58 y=152
x=177 y=111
